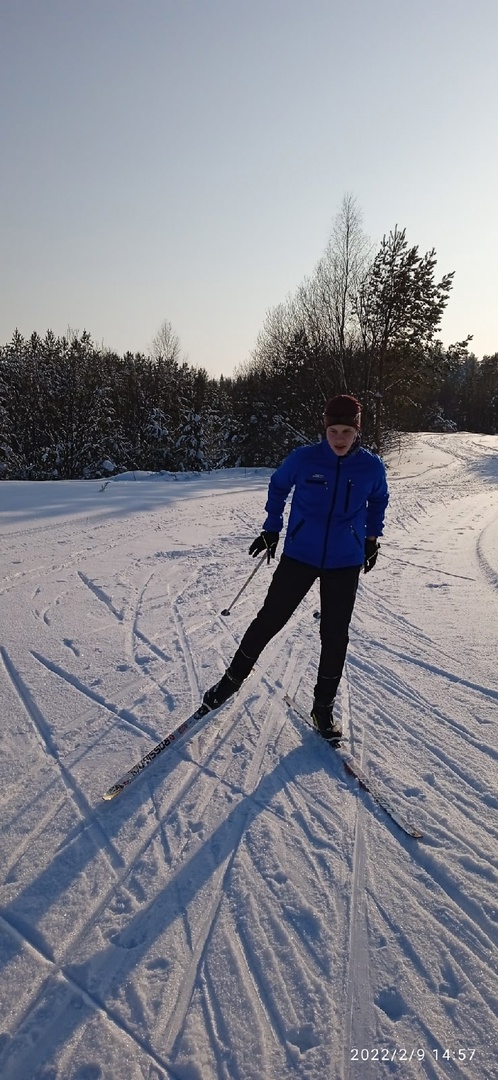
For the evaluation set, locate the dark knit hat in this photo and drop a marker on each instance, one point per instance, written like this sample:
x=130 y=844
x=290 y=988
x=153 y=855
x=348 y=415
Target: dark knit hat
x=343 y=409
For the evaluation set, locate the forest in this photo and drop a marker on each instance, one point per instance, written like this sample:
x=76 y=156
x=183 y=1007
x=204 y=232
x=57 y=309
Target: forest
x=364 y=322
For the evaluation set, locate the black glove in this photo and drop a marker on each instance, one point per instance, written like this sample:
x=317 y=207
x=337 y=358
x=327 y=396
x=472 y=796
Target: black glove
x=371 y=552
x=266 y=541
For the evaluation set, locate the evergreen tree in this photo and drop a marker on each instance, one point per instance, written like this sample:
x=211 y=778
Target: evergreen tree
x=399 y=308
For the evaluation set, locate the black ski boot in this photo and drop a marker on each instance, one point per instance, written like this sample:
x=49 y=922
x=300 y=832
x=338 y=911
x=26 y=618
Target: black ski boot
x=230 y=682
x=222 y=690
x=325 y=724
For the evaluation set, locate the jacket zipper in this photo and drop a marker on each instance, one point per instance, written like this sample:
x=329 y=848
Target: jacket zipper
x=329 y=518
x=348 y=494
x=297 y=528
x=355 y=534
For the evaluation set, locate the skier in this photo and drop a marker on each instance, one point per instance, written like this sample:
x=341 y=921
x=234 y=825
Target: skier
x=336 y=516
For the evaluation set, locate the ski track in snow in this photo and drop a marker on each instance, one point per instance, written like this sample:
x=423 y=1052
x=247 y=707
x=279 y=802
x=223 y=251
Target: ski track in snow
x=243 y=911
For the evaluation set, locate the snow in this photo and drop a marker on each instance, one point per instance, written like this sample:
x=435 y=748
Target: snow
x=243 y=911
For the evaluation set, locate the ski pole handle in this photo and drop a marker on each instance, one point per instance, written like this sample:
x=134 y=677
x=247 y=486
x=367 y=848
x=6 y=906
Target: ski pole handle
x=226 y=611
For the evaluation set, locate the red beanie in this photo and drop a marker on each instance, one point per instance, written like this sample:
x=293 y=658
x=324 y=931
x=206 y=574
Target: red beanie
x=343 y=409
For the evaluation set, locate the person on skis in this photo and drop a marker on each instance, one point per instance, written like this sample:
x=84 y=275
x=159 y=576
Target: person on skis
x=336 y=517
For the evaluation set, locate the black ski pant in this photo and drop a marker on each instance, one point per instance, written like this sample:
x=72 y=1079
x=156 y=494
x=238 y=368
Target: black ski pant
x=290 y=583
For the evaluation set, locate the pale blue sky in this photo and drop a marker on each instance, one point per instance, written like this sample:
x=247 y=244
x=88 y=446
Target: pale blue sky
x=185 y=159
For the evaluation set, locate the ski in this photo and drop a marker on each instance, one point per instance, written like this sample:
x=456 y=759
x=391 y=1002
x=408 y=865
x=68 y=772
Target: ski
x=368 y=784
x=151 y=755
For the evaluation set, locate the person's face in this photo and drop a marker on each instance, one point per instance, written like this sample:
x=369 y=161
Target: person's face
x=340 y=438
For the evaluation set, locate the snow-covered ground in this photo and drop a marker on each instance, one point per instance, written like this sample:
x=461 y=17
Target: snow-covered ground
x=243 y=911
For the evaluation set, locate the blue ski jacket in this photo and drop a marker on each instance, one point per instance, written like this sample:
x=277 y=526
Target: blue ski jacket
x=337 y=503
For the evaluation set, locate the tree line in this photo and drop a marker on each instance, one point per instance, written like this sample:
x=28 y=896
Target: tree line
x=364 y=322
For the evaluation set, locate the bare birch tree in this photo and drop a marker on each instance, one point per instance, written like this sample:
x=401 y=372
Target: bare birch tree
x=166 y=344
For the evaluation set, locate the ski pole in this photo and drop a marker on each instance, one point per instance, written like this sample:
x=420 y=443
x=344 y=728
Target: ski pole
x=226 y=611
